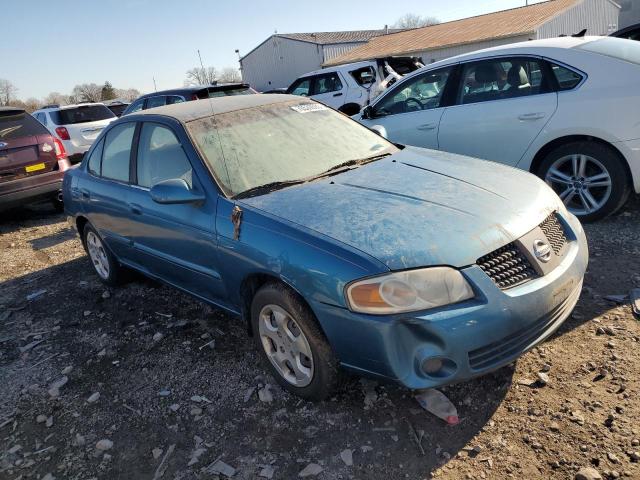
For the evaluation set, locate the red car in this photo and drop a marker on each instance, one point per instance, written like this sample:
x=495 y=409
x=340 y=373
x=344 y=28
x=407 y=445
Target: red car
x=32 y=161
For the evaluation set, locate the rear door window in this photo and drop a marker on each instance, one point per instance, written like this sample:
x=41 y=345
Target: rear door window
x=158 y=101
x=364 y=76
x=171 y=99
x=81 y=114
x=498 y=79
x=161 y=157
x=567 y=79
x=136 y=106
x=17 y=124
x=95 y=159
x=327 y=83
x=117 y=151
x=42 y=118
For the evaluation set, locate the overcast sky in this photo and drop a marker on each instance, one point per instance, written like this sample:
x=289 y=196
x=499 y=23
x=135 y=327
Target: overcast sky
x=53 y=45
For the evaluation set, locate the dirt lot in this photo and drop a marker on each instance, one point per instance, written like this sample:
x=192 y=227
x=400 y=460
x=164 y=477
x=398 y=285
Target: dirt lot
x=159 y=385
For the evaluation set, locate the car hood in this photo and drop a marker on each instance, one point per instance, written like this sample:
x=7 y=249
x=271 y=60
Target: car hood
x=418 y=207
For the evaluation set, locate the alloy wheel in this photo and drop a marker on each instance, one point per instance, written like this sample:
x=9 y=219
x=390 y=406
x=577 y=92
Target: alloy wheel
x=286 y=345
x=98 y=255
x=581 y=181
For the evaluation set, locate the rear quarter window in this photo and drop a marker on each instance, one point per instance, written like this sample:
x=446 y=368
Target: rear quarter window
x=626 y=50
x=81 y=114
x=15 y=124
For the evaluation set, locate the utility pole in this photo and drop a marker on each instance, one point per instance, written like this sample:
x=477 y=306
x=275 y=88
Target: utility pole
x=154 y=84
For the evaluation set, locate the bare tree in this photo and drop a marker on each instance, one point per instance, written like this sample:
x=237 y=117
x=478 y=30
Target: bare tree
x=32 y=104
x=128 y=94
x=201 y=76
x=230 y=74
x=412 y=20
x=55 y=98
x=87 y=92
x=8 y=92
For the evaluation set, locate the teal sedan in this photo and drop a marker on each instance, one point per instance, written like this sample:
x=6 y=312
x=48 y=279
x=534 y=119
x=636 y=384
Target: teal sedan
x=339 y=250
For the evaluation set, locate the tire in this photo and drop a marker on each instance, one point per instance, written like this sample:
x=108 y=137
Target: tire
x=561 y=169
x=314 y=377
x=104 y=263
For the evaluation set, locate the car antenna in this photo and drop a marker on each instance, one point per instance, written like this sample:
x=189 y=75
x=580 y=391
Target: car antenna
x=213 y=114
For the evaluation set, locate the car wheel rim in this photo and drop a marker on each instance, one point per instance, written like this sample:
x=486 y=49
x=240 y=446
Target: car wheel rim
x=286 y=345
x=582 y=182
x=98 y=255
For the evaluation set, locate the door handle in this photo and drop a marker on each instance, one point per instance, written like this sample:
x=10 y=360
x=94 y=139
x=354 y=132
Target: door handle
x=85 y=194
x=135 y=209
x=427 y=126
x=337 y=94
x=531 y=116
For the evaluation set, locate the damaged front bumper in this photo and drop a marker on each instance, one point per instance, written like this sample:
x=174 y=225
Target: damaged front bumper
x=464 y=340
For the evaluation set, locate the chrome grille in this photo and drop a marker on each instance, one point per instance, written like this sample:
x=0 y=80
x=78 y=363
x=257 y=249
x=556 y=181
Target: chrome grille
x=507 y=266
x=554 y=231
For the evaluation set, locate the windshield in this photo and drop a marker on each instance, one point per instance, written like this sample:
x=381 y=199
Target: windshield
x=627 y=50
x=281 y=142
x=81 y=114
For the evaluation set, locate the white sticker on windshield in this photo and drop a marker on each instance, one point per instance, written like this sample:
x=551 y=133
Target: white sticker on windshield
x=308 y=107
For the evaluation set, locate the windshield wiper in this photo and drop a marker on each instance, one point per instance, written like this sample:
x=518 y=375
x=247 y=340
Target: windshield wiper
x=341 y=167
x=348 y=165
x=266 y=188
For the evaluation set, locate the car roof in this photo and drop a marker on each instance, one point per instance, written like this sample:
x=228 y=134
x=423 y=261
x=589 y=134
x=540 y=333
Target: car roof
x=344 y=66
x=195 y=88
x=531 y=47
x=188 y=111
x=12 y=109
x=66 y=107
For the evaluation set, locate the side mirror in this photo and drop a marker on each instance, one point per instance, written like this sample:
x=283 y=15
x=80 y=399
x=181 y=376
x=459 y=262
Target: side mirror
x=379 y=129
x=366 y=113
x=174 y=191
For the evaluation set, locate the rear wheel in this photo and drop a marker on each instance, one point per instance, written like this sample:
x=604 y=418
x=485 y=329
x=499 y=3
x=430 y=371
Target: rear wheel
x=292 y=344
x=589 y=177
x=103 y=261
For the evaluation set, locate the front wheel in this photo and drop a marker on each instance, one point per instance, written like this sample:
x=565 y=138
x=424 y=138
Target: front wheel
x=290 y=340
x=589 y=178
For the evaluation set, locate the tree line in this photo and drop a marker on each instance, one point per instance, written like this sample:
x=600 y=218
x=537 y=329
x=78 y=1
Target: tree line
x=85 y=92
x=209 y=75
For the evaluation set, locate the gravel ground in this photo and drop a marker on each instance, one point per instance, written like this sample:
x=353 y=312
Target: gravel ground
x=145 y=382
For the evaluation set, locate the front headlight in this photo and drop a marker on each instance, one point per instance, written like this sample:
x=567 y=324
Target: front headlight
x=408 y=291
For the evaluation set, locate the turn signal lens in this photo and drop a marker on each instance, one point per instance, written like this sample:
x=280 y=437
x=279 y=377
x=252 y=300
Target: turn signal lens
x=408 y=291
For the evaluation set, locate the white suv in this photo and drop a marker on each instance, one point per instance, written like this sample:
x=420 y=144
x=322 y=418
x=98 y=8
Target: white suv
x=349 y=87
x=76 y=125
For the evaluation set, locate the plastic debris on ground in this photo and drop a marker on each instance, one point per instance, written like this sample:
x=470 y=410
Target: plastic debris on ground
x=437 y=403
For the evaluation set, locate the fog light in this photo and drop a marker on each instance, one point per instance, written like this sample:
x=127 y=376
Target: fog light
x=431 y=365
x=438 y=367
